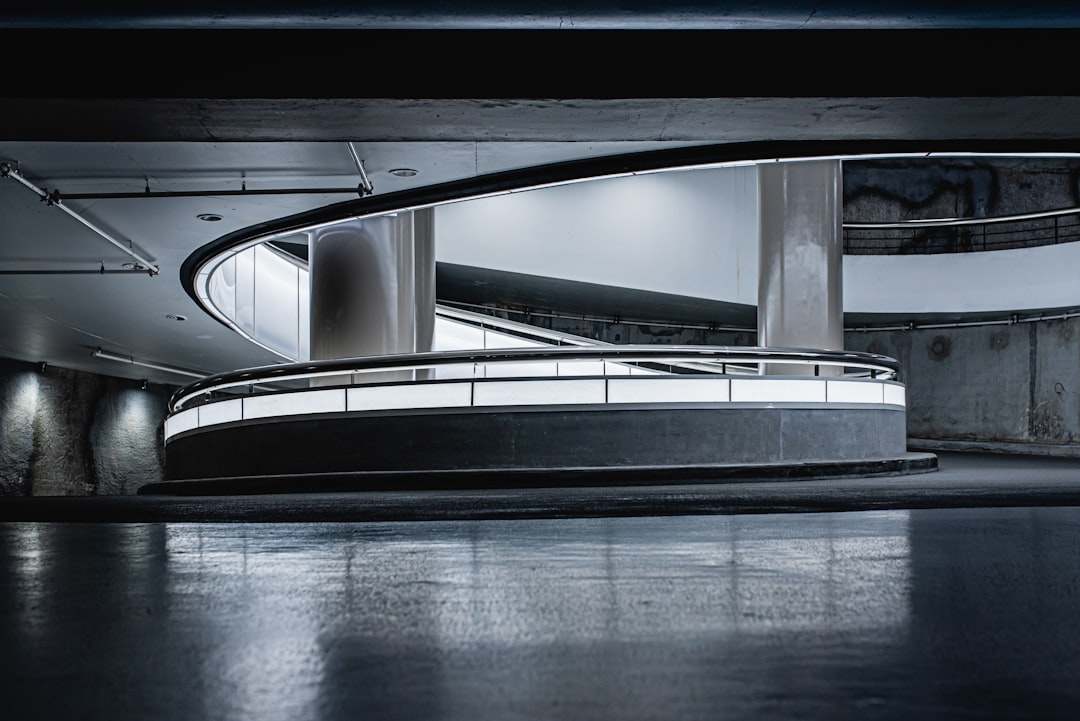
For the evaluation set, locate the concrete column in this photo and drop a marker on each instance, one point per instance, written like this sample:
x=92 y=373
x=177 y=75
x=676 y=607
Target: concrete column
x=373 y=288
x=800 y=281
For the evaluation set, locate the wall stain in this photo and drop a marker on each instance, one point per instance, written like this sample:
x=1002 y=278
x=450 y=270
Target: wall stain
x=939 y=348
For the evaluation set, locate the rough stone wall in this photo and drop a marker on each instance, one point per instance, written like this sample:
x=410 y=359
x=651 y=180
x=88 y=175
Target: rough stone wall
x=1013 y=383
x=65 y=432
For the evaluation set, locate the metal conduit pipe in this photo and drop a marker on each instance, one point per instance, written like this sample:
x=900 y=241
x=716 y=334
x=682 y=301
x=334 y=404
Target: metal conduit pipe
x=53 y=199
x=209 y=193
x=1011 y=320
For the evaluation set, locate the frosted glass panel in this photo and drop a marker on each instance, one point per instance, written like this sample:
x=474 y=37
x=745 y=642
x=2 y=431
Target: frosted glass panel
x=220 y=412
x=668 y=390
x=303 y=305
x=245 y=291
x=292 y=404
x=777 y=390
x=512 y=393
x=494 y=339
x=435 y=395
x=895 y=394
x=276 y=307
x=854 y=392
x=522 y=369
x=222 y=288
x=581 y=368
x=451 y=335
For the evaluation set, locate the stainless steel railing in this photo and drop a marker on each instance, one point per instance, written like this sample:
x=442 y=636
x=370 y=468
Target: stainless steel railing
x=725 y=360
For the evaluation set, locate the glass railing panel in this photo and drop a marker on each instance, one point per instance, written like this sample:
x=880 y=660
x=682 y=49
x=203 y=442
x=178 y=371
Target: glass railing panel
x=303 y=305
x=277 y=295
x=222 y=288
x=245 y=292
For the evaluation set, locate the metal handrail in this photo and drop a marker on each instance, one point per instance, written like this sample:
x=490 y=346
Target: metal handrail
x=876 y=366
x=924 y=237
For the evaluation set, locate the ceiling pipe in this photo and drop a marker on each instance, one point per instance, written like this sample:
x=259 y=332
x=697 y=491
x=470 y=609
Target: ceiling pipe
x=53 y=199
x=366 y=188
x=210 y=193
x=100 y=270
x=71 y=271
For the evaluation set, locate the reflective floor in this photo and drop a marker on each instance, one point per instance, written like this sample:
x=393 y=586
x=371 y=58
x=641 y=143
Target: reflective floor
x=894 y=614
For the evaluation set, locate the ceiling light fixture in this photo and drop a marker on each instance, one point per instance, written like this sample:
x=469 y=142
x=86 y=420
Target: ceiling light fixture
x=209 y=217
x=404 y=172
x=133 y=266
x=131 y=361
x=173 y=316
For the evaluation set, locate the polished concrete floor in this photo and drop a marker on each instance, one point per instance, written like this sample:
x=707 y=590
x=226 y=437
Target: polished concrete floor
x=924 y=612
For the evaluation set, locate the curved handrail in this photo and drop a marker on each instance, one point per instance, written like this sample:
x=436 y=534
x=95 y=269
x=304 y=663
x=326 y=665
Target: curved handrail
x=957 y=235
x=878 y=366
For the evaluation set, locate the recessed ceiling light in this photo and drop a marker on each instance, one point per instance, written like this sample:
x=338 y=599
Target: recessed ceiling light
x=209 y=217
x=133 y=266
x=172 y=316
x=403 y=172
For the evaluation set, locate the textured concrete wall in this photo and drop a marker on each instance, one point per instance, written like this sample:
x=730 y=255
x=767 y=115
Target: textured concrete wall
x=64 y=432
x=904 y=189
x=1016 y=383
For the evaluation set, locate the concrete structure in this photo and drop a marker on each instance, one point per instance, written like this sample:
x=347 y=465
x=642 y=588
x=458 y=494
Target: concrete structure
x=372 y=287
x=800 y=264
x=153 y=131
x=544 y=412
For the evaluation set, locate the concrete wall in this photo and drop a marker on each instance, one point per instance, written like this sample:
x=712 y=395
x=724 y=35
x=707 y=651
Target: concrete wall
x=887 y=190
x=1001 y=387
x=692 y=233
x=990 y=385
x=65 y=432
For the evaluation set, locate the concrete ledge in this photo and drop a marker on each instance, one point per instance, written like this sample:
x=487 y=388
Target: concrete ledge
x=504 y=478
x=963 y=480
x=1032 y=449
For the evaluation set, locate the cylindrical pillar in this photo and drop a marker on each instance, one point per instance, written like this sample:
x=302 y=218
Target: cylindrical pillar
x=372 y=284
x=800 y=281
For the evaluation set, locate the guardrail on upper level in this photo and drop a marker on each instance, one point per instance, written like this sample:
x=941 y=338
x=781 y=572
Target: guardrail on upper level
x=963 y=235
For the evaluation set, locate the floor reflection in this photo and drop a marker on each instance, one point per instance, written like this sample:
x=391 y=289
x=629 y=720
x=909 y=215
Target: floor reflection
x=893 y=614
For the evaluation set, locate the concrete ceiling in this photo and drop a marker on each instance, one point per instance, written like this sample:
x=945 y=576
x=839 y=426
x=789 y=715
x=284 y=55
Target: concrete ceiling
x=124 y=99
x=514 y=14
